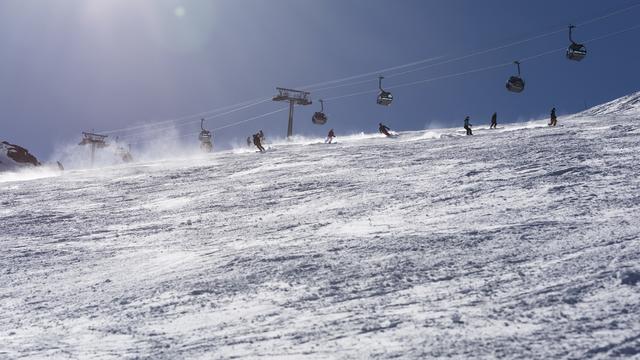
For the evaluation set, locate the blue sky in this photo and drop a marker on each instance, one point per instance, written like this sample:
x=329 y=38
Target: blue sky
x=73 y=65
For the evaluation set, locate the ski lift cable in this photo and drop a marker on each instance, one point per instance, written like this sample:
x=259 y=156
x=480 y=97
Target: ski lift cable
x=529 y=58
x=459 y=58
x=487 y=68
x=463 y=57
x=606 y=36
x=608 y=15
x=481 y=52
x=151 y=129
x=448 y=76
x=371 y=73
x=251 y=119
x=207 y=115
x=191 y=134
x=251 y=103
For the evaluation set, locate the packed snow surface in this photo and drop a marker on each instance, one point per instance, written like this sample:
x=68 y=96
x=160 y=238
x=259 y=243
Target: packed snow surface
x=521 y=242
x=627 y=105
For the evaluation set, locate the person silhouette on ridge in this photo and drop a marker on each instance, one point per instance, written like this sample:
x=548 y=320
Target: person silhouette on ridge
x=554 y=119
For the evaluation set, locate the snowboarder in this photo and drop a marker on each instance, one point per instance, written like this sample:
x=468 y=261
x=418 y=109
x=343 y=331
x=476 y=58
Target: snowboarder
x=257 y=143
x=330 y=137
x=554 y=119
x=467 y=126
x=494 y=121
x=383 y=129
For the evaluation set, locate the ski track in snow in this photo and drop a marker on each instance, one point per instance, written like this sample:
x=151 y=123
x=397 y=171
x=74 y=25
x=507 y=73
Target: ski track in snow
x=521 y=242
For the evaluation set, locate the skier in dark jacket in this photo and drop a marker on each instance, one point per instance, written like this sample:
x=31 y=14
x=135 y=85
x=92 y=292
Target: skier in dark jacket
x=494 y=121
x=467 y=126
x=383 y=129
x=554 y=118
x=330 y=137
x=257 y=143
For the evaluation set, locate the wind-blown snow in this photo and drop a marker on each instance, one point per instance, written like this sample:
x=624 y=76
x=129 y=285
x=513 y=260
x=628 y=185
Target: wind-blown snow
x=7 y=163
x=627 y=105
x=521 y=243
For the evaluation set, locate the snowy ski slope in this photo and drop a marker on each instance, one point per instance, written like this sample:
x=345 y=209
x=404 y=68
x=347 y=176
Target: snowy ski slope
x=521 y=242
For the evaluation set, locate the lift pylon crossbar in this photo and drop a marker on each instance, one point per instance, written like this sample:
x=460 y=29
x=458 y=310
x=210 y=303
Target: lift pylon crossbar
x=294 y=97
x=96 y=141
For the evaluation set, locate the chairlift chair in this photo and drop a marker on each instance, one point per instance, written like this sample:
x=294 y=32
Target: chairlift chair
x=516 y=83
x=384 y=97
x=319 y=117
x=124 y=153
x=205 y=138
x=575 y=51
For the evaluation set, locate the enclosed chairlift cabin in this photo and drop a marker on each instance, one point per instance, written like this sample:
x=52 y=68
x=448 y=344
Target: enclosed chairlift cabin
x=384 y=97
x=515 y=83
x=205 y=138
x=575 y=51
x=319 y=117
x=122 y=152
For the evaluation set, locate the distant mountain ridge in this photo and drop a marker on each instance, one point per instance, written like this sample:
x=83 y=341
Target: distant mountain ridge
x=626 y=105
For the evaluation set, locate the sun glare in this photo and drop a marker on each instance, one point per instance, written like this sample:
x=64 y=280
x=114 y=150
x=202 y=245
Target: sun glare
x=180 y=12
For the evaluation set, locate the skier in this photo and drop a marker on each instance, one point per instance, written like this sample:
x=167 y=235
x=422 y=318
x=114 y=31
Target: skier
x=248 y=141
x=257 y=143
x=554 y=119
x=494 y=121
x=330 y=137
x=384 y=129
x=467 y=126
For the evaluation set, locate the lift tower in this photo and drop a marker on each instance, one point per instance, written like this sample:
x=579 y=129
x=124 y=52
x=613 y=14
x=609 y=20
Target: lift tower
x=294 y=97
x=95 y=140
